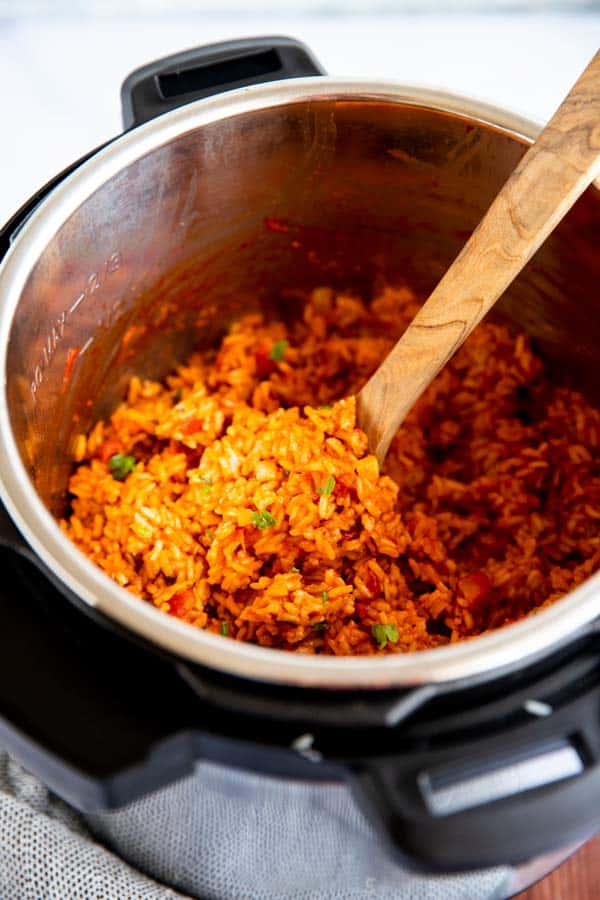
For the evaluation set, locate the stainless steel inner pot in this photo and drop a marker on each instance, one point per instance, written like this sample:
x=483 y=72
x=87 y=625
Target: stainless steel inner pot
x=231 y=204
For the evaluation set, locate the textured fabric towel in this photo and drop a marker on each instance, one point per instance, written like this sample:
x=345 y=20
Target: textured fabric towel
x=217 y=835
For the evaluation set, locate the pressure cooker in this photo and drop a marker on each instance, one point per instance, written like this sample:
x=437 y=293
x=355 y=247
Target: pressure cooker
x=470 y=755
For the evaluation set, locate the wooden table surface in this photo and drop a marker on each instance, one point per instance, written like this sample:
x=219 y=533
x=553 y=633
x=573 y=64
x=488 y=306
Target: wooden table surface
x=577 y=879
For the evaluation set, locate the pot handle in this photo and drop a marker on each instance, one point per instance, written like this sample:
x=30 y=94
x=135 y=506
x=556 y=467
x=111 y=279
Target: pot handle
x=183 y=77
x=501 y=795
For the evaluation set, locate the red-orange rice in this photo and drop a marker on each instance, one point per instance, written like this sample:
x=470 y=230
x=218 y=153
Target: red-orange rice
x=254 y=510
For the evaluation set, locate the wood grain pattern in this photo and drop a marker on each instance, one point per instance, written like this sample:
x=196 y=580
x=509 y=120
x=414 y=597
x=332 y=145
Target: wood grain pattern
x=550 y=177
x=577 y=879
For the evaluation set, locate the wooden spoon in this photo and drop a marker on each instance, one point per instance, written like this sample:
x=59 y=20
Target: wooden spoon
x=554 y=172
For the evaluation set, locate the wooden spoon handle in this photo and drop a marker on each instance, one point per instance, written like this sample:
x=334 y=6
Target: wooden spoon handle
x=554 y=172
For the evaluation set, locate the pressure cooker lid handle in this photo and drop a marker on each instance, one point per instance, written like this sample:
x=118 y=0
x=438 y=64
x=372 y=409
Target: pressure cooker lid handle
x=181 y=78
x=481 y=796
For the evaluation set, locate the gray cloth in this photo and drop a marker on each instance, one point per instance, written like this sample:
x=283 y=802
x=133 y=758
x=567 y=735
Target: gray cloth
x=217 y=835
x=47 y=853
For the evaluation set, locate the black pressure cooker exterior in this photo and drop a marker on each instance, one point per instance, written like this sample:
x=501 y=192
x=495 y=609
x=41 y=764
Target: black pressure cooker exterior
x=103 y=717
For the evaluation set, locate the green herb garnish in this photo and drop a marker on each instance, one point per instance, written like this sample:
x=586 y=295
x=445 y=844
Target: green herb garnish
x=327 y=487
x=178 y=394
x=207 y=484
x=325 y=597
x=263 y=519
x=121 y=465
x=224 y=629
x=320 y=626
x=383 y=634
x=278 y=351
x=325 y=406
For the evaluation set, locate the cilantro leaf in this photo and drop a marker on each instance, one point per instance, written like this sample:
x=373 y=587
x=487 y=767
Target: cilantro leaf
x=224 y=629
x=121 y=465
x=325 y=597
x=263 y=519
x=278 y=351
x=206 y=483
x=327 y=487
x=384 y=633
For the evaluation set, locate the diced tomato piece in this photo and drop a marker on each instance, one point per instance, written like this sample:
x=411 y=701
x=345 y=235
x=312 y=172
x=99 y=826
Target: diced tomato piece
x=410 y=523
x=108 y=449
x=180 y=603
x=341 y=490
x=373 y=583
x=264 y=364
x=193 y=457
x=361 y=610
x=191 y=426
x=475 y=588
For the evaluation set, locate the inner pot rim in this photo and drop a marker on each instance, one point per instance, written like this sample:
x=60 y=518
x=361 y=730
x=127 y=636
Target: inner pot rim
x=482 y=656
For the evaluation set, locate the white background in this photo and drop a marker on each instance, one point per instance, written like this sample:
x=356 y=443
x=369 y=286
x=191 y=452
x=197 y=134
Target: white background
x=60 y=80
